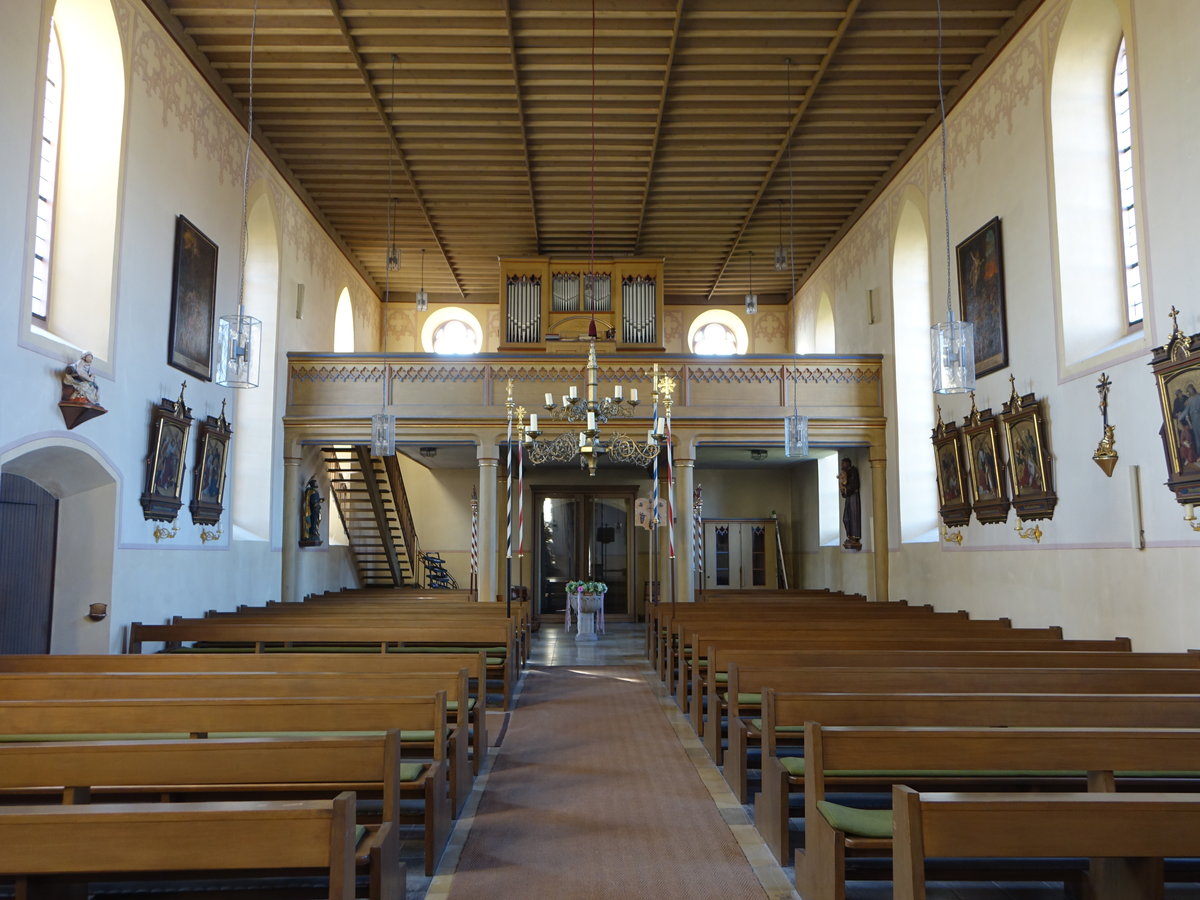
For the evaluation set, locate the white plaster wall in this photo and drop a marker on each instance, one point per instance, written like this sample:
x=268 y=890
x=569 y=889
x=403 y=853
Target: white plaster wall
x=1085 y=574
x=183 y=154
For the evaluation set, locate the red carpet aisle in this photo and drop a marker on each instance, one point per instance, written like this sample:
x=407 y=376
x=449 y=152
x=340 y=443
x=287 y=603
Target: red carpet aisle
x=594 y=798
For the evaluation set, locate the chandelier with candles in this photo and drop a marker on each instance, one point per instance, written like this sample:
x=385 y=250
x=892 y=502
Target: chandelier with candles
x=592 y=411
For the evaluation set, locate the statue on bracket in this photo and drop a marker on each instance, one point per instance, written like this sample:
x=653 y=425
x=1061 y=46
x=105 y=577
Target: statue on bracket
x=80 y=399
x=310 y=514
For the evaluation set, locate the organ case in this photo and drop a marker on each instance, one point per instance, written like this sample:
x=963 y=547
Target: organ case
x=544 y=301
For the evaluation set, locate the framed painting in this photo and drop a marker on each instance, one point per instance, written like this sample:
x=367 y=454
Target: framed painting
x=954 y=501
x=981 y=296
x=170 y=423
x=1176 y=367
x=1029 y=469
x=193 y=301
x=981 y=450
x=208 y=476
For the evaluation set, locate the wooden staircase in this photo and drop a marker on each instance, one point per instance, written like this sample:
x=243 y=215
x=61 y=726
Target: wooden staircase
x=368 y=492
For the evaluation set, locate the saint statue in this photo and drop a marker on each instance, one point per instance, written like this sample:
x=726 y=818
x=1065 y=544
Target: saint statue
x=848 y=487
x=310 y=515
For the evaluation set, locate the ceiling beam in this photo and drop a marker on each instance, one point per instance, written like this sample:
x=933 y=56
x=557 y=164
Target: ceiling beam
x=782 y=151
x=335 y=7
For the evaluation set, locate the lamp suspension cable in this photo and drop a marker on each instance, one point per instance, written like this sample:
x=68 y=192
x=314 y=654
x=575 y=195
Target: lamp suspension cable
x=751 y=297
x=795 y=426
x=592 y=190
x=383 y=424
x=952 y=343
x=239 y=336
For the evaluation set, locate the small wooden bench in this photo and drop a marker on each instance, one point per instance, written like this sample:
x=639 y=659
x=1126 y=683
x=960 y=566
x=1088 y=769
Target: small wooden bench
x=877 y=758
x=1133 y=832
x=185 y=839
x=59 y=720
x=248 y=769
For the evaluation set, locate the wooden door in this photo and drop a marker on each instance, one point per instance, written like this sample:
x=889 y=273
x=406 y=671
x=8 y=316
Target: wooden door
x=29 y=531
x=739 y=553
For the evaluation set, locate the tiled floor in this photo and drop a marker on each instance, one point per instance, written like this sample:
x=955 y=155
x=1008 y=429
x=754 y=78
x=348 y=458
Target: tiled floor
x=623 y=645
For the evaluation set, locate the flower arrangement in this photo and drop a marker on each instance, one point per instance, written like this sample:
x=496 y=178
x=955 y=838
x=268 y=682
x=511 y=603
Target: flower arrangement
x=587 y=587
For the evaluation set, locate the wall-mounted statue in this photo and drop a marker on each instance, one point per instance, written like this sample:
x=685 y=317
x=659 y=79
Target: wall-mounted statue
x=310 y=515
x=849 y=486
x=80 y=398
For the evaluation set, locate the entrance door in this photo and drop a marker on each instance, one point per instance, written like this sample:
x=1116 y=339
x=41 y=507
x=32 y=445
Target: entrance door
x=586 y=535
x=29 y=524
x=739 y=553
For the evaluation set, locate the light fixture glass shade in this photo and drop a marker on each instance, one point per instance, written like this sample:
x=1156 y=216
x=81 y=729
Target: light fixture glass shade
x=751 y=304
x=239 y=351
x=383 y=434
x=781 y=258
x=422 y=300
x=952 y=355
x=795 y=435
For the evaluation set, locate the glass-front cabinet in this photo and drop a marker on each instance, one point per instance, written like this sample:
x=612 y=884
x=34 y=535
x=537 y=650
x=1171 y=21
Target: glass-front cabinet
x=740 y=553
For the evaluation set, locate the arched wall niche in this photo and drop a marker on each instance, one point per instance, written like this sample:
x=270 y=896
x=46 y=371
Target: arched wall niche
x=824 y=338
x=255 y=420
x=910 y=334
x=86 y=484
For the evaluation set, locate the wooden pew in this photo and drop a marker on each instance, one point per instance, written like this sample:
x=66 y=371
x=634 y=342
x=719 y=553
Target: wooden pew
x=793 y=711
x=416 y=638
x=251 y=769
x=313 y=663
x=962 y=759
x=148 y=685
x=708 y=697
x=746 y=684
x=191 y=838
x=1134 y=832
x=56 y=720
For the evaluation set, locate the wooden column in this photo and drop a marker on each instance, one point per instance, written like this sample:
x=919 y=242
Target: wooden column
x=879 y=516
x=685 y=573
x=290 y=570
x=489 y=460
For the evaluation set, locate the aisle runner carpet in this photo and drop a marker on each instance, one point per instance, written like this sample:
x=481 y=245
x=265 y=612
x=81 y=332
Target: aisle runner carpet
x=592 y=798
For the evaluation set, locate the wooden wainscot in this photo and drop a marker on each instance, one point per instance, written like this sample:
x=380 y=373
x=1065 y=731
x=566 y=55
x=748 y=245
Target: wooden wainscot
x=1029 y=464
x=981 y=450
x=954 y=496
x=1176 y=367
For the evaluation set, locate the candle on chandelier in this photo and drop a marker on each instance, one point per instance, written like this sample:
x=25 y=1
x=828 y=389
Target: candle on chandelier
x=591 y=421
x=661 y=425
x=618 y=391
x=533 y=420
x=565 y=400
x=549 y=399
x=574 y=391
x=633 y=395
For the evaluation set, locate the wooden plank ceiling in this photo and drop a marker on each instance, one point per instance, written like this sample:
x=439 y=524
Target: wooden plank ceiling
x=707 y=143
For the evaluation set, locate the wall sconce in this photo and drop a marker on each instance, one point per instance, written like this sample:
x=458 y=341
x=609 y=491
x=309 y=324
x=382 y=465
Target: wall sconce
x=1106 y=453
x=758 y=454
x=429 y=452
x=97 y=611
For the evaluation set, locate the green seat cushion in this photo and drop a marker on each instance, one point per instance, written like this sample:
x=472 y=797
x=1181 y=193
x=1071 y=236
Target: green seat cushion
x=411 y=771
x=722 y=678
x=360 y=831
x=793 y=765
x=452 y=705
x=876 y=823
x=782 y=729
x=749 y=699
x=137 y=736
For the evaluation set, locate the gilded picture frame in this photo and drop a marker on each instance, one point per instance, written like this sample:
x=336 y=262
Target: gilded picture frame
x=981 y=451
x=170 y=424
x=981 y=296
x=193 y=301
x=954 y=494
x=1176 y=367
x=1031 y=474
x=209 y=474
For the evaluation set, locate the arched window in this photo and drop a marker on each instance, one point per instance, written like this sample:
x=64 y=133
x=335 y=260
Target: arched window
x=43 y=230
x=1123 y=133
x=718 y=332
x=451 y=330
x=343 y=324
x=1091 y=287
x=71 y=293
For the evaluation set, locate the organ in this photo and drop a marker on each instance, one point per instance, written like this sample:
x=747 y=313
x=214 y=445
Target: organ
x=544 y=302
